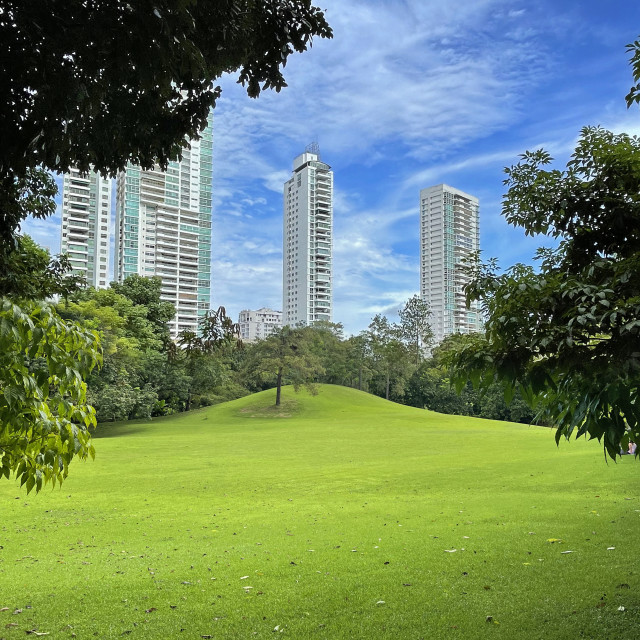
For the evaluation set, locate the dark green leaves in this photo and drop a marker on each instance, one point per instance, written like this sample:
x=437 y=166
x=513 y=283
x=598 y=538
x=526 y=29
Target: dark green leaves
x=568 y=333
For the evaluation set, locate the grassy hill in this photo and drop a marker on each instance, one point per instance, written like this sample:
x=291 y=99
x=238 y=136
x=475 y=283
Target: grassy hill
x=335 y=516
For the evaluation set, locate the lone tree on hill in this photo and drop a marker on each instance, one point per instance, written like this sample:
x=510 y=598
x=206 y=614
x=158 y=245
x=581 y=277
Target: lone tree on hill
x=286 y=356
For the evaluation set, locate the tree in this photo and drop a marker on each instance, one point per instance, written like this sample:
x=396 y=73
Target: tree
x=286 y=356
x=568 y=335
x=44 y=417
x=203 y=357
x=145 y=293
x=132 y=343
x=97 y=84
x=391 y=358
x=31 y=273
x=415 y=327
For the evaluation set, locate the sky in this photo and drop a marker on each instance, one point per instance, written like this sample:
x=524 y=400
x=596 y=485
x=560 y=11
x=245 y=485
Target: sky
x=408 y=94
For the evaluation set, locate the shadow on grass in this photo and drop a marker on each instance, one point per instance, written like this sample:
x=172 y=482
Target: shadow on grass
x=119 y=429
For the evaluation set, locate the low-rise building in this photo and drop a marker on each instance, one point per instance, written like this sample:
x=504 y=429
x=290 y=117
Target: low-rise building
x=258 y=324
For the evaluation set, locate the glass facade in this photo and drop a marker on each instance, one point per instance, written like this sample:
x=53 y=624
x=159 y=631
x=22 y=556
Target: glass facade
x=164 y=229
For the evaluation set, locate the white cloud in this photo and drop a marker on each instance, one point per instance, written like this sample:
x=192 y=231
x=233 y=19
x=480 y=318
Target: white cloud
x=409 y=93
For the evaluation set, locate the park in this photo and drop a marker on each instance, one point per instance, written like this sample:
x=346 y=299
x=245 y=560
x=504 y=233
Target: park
x=337 y=515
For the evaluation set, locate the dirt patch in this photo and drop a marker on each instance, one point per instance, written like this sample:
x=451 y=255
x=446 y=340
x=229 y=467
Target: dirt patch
x=283 y=411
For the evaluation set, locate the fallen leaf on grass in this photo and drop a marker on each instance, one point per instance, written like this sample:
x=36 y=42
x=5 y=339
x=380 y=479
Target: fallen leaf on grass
x=554 y=540
x=4 y=609
x=33 y=632
x=17 y=611
x=11 y=625
x=566 y=552
x=380 y=602
x=150 y=610
x=610 y=548
x=450 y=550
x=621 y=608
x=244 y=577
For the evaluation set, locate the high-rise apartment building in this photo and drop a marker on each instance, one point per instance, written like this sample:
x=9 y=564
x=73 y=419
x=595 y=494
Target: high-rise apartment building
x=86 y=216
x=307 y=240
x=449 y=233
x=163 y=228
x=258 y=324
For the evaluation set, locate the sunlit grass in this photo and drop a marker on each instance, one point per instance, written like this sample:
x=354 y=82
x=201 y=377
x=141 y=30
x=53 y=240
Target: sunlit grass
x=335 y=516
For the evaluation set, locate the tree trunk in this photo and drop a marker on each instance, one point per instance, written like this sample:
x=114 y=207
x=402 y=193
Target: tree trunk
x=360 y=379
x=278 y=386
x=387 y=385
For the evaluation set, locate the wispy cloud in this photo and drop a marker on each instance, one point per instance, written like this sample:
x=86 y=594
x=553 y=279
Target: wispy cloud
x=409 y=93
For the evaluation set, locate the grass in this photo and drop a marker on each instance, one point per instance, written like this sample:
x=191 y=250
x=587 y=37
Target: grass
x=335 y=516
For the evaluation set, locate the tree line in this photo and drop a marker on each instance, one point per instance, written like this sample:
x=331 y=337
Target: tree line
x=144 y=373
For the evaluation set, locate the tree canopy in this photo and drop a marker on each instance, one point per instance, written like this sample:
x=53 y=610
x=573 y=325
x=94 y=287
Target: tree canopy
x=568 y=334
x=97 y=84
x=287 y=356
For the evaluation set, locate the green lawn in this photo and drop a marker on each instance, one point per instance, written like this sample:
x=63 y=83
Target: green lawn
x=336 y=516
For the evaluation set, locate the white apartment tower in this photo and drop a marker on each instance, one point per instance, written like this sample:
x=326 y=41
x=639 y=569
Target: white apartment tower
x=449 y=232
x=258 y=324
x=163 y=228
x=86 y=216
x=307 y=240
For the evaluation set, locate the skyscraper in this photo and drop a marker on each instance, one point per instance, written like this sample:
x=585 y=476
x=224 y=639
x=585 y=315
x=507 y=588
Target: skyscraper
x=307 y=240
x=163 y=228
x=86 y=216
x=449 y=232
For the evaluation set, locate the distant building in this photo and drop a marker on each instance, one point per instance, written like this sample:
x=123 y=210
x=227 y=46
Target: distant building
x=163 y=228
x=86 y=222
x=307 y=241
x=449 y=232
x=257 y=325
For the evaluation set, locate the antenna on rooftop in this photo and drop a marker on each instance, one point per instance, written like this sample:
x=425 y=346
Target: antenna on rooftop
x=313 y=147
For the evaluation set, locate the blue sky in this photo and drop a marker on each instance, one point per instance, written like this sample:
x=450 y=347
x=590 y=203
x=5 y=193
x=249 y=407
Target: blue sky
x=408 y=94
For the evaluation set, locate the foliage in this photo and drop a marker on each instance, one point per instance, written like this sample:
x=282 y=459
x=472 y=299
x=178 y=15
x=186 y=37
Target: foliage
x=44 y=416
x=133 y=336
x=634 y=93
x=568 y=334
x=204 y=358
x=29 y=272
x=286 y=357
x=145 y=293
x=415 y=327
x=31 y=192
x=392 y=360
x=99 y=84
